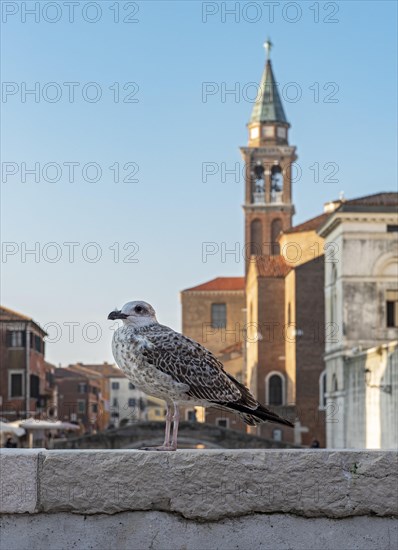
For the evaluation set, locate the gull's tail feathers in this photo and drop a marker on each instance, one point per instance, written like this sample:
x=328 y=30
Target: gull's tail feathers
x=261 y=414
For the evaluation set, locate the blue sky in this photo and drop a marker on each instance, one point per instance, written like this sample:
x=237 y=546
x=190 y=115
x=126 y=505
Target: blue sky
x=168 y=134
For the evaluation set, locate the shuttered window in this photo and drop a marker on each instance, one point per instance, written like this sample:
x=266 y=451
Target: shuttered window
x=392 y=308
x=15 y=339
x=16 y=389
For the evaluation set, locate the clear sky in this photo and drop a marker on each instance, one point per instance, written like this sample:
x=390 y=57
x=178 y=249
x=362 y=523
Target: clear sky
x=335 y=62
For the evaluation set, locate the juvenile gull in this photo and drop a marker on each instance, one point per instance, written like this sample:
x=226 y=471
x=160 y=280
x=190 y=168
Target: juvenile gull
x=166 y=364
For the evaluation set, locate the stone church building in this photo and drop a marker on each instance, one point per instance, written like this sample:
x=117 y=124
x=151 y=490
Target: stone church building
x=269 y=327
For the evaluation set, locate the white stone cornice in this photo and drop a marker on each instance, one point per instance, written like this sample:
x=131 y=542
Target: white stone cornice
x=363 y=217
x=285 y=150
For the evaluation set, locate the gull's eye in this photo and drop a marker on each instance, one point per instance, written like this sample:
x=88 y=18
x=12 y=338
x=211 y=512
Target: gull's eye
x=138 y=309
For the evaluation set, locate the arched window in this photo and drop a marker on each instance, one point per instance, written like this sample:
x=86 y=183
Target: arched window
x=275 y=388
x=258 y=184
x=258 y=174
x=322 y=390
x=256 y=237
x=276 y=229
x=276 y=183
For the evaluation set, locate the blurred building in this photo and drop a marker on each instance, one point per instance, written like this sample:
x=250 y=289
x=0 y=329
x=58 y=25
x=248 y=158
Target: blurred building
x=361 y=307
x=79 y=397
x=26 y=379
x=265 y=343
x=108 y=373
x=123 y=402
x=128 y=404
x=213 y=313
x=232 y=357
x=304 y=251
x=156 y=409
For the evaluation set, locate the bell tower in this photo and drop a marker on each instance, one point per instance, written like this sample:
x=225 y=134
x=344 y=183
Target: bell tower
x=268 y=160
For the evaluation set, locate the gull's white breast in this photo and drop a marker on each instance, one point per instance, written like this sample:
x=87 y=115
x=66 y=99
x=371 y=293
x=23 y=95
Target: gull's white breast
x=127 y=348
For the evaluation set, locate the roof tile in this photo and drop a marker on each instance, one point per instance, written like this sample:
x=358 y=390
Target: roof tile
x=220 y=283
x=272 y=266
x=309 y=225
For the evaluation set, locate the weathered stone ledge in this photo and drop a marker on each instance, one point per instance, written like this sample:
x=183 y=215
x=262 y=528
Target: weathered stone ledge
x=204 y=485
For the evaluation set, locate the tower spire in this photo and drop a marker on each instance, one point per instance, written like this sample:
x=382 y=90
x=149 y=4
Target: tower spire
x=268 y=105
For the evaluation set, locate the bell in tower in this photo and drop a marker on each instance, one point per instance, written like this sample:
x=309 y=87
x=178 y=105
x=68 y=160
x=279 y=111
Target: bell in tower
x=268 y=159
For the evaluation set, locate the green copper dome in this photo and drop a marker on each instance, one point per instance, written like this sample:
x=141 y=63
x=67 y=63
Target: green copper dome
x=268 y=105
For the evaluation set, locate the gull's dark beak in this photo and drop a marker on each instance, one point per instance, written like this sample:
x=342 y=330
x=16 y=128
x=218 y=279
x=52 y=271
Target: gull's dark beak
x=117 y=314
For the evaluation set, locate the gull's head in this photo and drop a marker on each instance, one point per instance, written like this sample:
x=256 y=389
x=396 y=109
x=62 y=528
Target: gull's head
x=137 y=314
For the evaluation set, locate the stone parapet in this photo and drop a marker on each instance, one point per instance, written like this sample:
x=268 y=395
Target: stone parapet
x=203 y=485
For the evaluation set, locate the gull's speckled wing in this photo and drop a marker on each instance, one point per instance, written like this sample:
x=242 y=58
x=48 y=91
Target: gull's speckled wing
x=189 y=362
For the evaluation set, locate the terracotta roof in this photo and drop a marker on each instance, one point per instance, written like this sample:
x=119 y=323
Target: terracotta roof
x=272 y=266
x=220 y=283
x=7 y=314
x=233 y=348
x=105 y=369
x=309 y=225
x=85 y=371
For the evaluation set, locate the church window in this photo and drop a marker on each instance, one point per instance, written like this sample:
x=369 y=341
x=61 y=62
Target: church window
x=275 y=389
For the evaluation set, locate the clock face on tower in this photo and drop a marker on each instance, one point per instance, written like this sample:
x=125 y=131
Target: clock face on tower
x=254 y=132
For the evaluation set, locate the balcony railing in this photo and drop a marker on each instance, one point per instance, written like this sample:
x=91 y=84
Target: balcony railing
x=259 y=197
x=276 y=196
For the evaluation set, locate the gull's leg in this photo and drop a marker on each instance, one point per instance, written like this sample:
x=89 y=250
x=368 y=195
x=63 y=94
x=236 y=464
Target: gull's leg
x=176 y=419
x=168 y=426
x=167 y=446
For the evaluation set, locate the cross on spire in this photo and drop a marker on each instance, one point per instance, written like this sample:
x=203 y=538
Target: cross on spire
x=268 y=47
